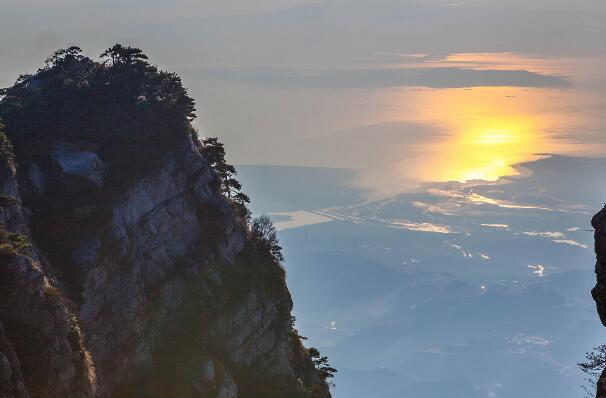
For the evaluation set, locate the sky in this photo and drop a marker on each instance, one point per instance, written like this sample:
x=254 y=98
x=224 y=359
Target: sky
x=406 y=91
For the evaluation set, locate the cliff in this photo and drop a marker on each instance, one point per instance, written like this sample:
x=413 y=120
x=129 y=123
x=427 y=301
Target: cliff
x=599 y=291
x=126 y=271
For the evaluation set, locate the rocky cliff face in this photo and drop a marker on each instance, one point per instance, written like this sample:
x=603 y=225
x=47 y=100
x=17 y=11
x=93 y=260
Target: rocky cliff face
x=599 y=291
x=125 y=271
x=41 y=346
x=149 y=289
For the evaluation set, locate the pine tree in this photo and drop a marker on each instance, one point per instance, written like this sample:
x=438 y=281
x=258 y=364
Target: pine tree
x=263 y=231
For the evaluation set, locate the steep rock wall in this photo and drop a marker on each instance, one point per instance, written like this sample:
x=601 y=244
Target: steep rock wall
x=150 y=288
x=599 y=291
x=42 y=352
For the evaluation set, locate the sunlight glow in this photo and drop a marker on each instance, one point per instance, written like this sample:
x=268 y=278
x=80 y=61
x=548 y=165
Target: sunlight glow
x=489 y=131
x=483 y=133
x=488 y=147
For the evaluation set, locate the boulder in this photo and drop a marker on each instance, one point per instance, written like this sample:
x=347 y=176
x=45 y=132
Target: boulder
x=74 y=163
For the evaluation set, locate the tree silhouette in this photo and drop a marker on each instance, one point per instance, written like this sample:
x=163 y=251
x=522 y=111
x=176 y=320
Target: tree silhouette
x=214 y=152
x=241 y=198
x=594 y=367
x=65 y=55
x=262 y=230
x=325 y=371
x=119 y=54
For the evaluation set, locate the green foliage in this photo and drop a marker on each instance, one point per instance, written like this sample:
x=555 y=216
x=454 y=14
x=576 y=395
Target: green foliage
x=214 y=152
x=120 y=55
x=12 y=244
x=6 y=201
x=65 y=55
x=239 y=203
x=263 y=233
x=125 y=106
x=323 y=368
x=294 y=333
x=325 y=371
x=18 y=241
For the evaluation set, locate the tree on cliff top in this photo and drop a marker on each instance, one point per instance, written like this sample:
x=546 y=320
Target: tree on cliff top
x=119 y=54
x=131 y=110
x=65 y=55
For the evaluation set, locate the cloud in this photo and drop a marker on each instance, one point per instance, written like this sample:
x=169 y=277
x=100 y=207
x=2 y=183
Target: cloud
x=538 y=270
x=443 y=77
x=529 y=339
x=551 y=235
x=571 y=243
x=500 y=226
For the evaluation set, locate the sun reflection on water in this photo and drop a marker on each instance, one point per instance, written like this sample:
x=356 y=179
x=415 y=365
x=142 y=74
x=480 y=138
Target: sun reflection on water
x=487 y=148
x=487 y=132
x=420 y=135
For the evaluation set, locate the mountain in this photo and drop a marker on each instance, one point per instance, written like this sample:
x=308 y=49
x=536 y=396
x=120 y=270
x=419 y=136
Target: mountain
x=125 y=270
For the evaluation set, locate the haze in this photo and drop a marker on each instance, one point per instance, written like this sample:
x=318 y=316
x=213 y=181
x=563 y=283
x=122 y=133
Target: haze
x=382 y=86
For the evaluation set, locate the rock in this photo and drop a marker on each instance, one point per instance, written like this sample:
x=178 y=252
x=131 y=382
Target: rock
x=34 y=318
x=36 y=178
x=598 y=293
x=86 y=252
x=75 y=163
x=6 y=371
x=208 y=371
x=228 y=388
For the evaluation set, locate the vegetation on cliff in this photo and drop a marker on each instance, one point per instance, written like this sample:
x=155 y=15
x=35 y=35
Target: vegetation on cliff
x=593 y=367
x=11 y=243
x=130 y=109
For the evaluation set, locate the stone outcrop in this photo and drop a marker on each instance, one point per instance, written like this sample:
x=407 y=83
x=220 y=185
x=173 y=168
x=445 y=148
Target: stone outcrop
x=598 y=222
x=78 y=163
x=146 y=289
